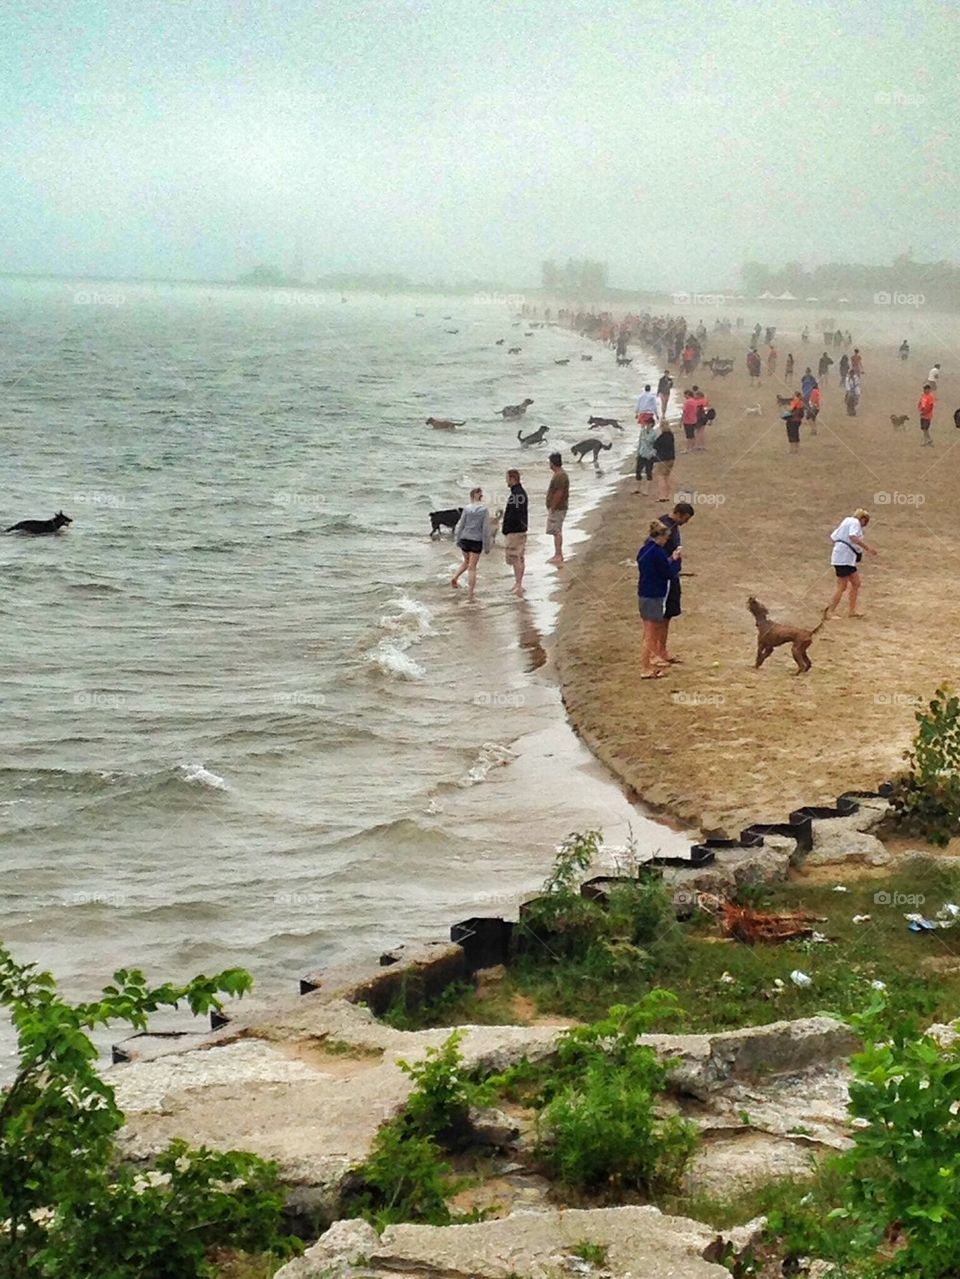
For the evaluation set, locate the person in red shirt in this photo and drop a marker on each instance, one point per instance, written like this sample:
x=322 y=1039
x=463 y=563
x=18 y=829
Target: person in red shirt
x=856 y=362
x=689 y=419
x=813 y=407
x=925 y=407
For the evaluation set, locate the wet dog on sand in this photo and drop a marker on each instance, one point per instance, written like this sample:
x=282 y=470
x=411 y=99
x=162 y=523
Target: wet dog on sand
x=771 y=635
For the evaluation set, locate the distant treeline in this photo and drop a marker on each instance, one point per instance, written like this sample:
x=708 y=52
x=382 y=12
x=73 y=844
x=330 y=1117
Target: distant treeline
x=384 y=282
x=939 y=282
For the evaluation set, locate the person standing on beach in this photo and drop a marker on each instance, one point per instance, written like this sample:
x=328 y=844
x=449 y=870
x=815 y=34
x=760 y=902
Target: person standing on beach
x=664 y=387
x=646 y=457
x=925 y=406
x=856 y=362
x=823 y=368
x=904 y=350
x=474 y=536
x=807 y=383
x=852 y=393
x=813 y=408
x=682 y=514
x=656 y=571
x=771 y=360
x=848 y=548
x=689 y=420
x=753 y=366
x=933 y=377
x=558 y=500
x=665 y=446
x=514 y=529
x=788 y=368
x=844 y=367
x=648 y=407
x=793 y=417
x=705 y=415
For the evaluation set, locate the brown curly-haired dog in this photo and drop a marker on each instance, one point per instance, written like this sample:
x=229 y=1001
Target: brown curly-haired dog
x=771 y=635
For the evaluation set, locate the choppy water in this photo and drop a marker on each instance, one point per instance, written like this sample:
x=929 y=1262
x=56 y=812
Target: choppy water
x=245 y=720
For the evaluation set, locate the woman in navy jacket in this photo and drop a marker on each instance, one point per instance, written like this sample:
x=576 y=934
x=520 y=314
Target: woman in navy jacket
x=657 y=569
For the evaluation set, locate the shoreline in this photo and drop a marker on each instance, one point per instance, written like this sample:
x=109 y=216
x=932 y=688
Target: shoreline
x=716 y=743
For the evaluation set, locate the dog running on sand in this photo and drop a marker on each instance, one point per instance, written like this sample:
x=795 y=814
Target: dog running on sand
x=898 y=420
x=771 y=635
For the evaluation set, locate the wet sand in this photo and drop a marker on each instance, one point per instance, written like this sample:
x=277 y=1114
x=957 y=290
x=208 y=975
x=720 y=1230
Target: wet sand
x=715 y=742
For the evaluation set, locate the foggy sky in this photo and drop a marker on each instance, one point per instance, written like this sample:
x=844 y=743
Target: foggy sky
x=196 y=138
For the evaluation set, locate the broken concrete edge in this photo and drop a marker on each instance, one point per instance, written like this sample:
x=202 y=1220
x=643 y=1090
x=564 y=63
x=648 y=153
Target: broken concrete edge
x=640 y=1241
x=421 y=972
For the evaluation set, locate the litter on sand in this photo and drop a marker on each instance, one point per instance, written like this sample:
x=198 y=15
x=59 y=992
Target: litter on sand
x=800 y=979
x=860 y=919
x=840 y=888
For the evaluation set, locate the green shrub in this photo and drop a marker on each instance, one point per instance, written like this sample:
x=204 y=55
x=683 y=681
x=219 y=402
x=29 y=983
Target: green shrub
x=67 y=1205
x=926 y=799
x=405 y=1178
x=598 y=1101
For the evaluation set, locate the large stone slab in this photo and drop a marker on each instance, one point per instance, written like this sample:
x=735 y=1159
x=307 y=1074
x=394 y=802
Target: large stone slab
x=705 y=1063
x=640 y=1243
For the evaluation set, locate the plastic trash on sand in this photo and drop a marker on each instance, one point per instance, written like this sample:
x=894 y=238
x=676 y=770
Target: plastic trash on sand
x=840 y=888
x=800 y=979
x=879 y=985
x=917 y=924
x=860 y=919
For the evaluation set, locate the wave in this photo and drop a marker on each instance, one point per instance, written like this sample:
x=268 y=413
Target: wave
x=198 y=775
x=491 y=755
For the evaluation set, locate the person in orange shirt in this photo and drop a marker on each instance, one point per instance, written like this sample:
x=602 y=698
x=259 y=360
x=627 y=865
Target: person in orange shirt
x=793 y=418
x=813 y=407
x=925 y=407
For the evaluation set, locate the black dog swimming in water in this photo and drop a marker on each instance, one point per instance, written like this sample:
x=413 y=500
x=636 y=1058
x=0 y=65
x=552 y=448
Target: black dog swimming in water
x=444 y=519
x=538 y=437
x=604 y=421
x=41 y=526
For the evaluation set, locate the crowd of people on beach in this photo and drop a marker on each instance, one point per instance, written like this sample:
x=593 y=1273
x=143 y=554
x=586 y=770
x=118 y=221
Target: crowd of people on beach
x=660 y=556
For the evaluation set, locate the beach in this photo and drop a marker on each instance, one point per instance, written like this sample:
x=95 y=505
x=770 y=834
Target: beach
x=715 y=742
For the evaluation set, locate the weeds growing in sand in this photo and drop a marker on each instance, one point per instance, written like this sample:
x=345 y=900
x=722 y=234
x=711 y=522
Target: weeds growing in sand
x=926 y=798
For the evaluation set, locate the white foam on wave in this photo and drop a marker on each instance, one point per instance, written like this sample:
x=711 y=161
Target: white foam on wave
x=198 y=775
x=492 y=755
x=410 y=622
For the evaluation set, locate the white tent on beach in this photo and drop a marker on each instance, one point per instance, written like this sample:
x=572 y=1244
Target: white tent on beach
x=786 y=296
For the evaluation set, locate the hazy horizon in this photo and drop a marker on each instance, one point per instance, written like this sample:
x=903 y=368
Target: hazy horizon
x=454 y=141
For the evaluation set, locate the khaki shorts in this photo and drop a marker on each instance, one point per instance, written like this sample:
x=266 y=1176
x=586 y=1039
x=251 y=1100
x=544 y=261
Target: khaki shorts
x=663 y=468
x=515 y=544
x=555 y=521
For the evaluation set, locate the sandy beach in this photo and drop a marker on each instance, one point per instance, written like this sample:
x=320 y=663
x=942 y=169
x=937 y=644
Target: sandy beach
x=715 y=742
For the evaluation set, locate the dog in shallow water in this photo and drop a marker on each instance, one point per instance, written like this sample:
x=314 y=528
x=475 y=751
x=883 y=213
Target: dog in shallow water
x=516 y=410
x=58 y=522
x=771 y=635
x=440 y=520
x=539 y=436
x=592 y=445
x=604 y=421
x=443 y=423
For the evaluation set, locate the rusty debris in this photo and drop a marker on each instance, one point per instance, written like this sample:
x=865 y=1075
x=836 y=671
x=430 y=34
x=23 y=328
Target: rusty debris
x=744 y=924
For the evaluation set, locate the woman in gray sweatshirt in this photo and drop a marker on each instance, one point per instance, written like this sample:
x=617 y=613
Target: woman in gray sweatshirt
x=473 y=535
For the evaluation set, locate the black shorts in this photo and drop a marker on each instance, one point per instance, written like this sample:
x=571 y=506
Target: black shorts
x=690 y=431
x=925 y=423
x=672 y=606
x=844 y=570
x=645 y=467
x=793 y=432
x=468 y=544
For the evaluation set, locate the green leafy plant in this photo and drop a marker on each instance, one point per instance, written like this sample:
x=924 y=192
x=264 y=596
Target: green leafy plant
x=405 y=1177
x=64 y=1196
x=595 y=1254
x=926 y=798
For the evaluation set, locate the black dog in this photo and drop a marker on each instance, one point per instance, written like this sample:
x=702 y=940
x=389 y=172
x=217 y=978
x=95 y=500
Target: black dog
x=623 y=360
x=41 y=526
x=721 y=370
x=604 y=421
x=593 y=446
x=784 y=400
x=561 y=361
x=539 y=436
x=444 y=519
x=586 y=357
x=513 y=350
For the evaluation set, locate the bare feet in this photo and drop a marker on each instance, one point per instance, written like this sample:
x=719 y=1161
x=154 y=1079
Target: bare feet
x=454 y=583
x=658 y=674
x=555 y=559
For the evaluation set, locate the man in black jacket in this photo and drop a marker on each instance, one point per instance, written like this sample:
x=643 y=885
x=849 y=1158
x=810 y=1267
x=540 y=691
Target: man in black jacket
x=514 y=529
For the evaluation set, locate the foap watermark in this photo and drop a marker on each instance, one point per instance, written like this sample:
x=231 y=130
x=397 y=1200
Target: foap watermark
x=895 y=498
x=93 y=297
x=91 y=699
x=883 y=898
x=299 y=698
x=94 y=899
x=897 y=699
x=699 y=299
x=113 y=500
x=896 y=298
x=299 y=899
x=897 y=98
x=697 y=699
x=304 y=501
x=297 y=297
x=500 y=299
x=700 y=499
x=99 y=98
x=499 y=699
